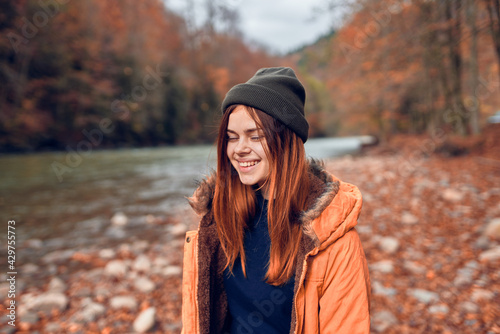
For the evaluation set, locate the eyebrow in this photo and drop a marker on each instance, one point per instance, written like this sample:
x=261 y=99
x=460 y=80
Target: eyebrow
x=246 y=131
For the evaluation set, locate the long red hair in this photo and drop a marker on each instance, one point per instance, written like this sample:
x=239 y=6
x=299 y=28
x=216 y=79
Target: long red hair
x=287 y=185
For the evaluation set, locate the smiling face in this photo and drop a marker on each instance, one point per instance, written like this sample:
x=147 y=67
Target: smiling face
x=245 y=147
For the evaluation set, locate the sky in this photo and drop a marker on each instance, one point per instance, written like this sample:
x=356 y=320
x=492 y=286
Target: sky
x=281 y=25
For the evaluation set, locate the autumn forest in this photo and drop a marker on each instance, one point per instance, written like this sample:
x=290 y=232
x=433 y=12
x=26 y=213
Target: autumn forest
x=134 y=73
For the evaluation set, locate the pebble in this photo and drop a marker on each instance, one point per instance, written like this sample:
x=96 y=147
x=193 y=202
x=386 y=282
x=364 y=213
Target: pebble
x=48 y=301
x=145 y=320
x=383 y=320
x=115 y=232
x=388 y=244
x=33 y=243
x=144 y=284
x=452 y=195
x=8 y=330
x=384 y=266
x=481 y=294
x=115 y=268
x=424 y=296
x=140 y=246
x=30 y=268
x=29 y=318
x=408 y=218
x=490 y=255
x=161 y=262
x=142 y=264
x=469 y=307
x=58 y=256
x=439 y=309
x=128 y=302
x=465 y=276
x=414 y=267
x=379 y=289
x=52 y=327
x=178 y=230
x=119 y=219
x=91 y=311
x=172 y=271
x=57 y=285
x=483 y=242
x=107 y=253
x=492 y=230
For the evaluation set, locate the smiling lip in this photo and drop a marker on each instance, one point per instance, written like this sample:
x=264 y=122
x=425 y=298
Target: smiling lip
x=247 y=166
x=250 y=163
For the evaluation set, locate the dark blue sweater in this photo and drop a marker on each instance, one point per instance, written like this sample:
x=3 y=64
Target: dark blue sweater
x=254 y=305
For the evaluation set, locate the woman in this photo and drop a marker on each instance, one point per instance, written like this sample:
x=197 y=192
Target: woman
x=276 y=250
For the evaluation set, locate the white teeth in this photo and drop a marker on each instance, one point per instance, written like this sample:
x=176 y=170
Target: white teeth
x=248 y=164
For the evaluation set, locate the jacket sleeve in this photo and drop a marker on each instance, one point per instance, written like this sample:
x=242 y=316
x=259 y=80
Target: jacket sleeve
x=190 y=284
x=345 y=297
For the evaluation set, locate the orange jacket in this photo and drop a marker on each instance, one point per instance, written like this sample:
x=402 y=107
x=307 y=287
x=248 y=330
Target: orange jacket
x=332 y=286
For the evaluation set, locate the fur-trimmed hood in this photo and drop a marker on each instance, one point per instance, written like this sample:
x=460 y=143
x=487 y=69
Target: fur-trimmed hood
x=327 y=193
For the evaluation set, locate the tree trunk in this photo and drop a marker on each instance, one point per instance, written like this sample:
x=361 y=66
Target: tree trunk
x=494 y=15
x=474 y=69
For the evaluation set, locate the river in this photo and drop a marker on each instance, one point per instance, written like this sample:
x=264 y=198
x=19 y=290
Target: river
x=75 y=207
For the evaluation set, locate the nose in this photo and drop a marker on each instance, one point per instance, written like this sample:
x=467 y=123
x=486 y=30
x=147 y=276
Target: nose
x=242 y=147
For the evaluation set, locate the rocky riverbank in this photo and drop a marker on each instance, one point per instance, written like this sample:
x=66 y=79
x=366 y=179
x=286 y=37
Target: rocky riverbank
x=430 y=227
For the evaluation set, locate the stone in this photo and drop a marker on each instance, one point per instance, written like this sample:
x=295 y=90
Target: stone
x=58 y=256
x=48 y=301
x=161 y=262
x=481 y=294
x=4 y=289
x=139 y=246
x=469 y=307
x=57 y=285
x=178 y=230
x=379 y=289
x=30 y=268
x=423 y=296
x=115 y=232
x=383 y=320
x=52 y=327
x=388 y=244
x=483 y=242
x=142 y=264
x=452 y=195
x=466 y=274
x=29 y=318
x=128 y=302
x=119 y=219
x=33 y=243
x=172 y=271
x=91 y=311
x=115 y=268
x=439 y=309
x=408 y=218
x=384 y=266
x=364 y=229
x=145 y=320
x=492 y=230
x=144 y=284
x=107 y=253
x=490 y=255
x=414 y=267
x=8 y=329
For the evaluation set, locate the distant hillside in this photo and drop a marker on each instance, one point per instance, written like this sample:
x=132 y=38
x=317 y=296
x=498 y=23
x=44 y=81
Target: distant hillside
x=403 y=68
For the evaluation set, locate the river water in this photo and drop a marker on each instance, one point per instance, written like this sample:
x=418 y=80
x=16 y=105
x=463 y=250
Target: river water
x=75 y=208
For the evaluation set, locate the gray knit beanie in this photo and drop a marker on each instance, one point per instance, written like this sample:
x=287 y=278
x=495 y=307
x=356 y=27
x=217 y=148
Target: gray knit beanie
x=277 y=92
